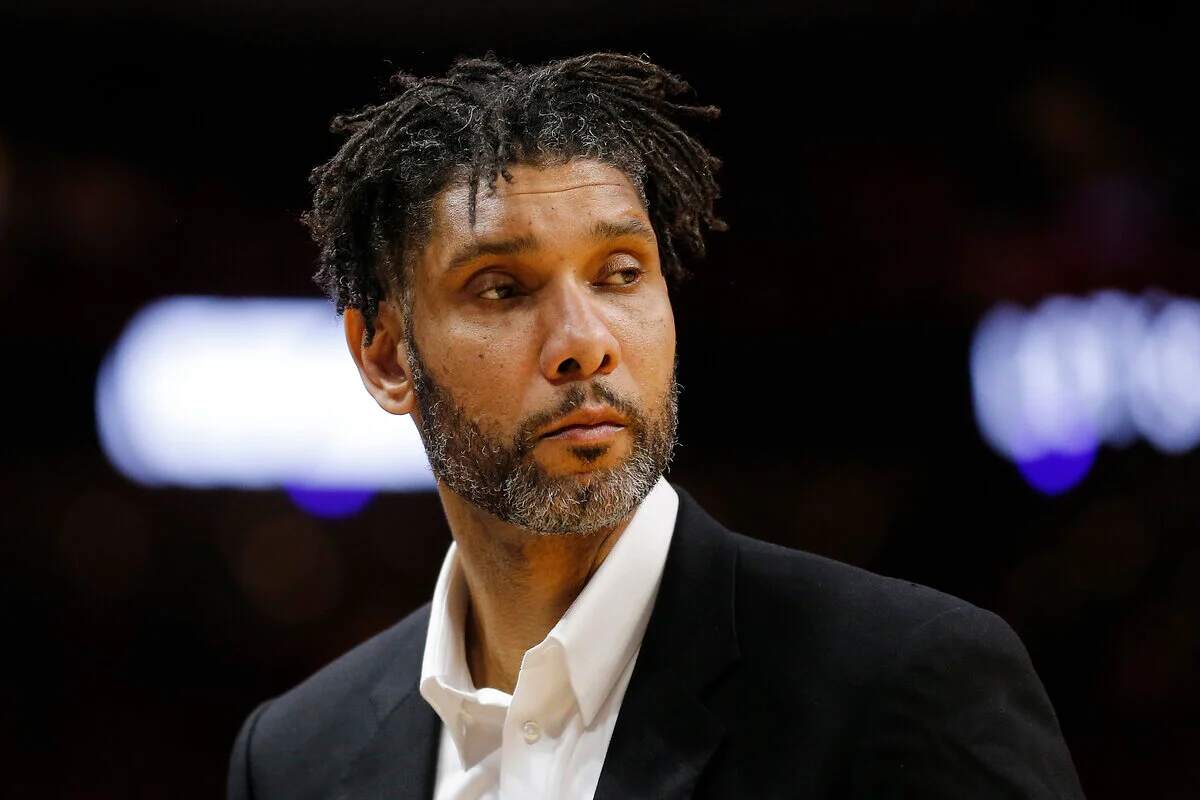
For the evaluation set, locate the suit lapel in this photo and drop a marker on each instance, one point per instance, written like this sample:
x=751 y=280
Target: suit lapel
x=399 y=761
x=665 y=734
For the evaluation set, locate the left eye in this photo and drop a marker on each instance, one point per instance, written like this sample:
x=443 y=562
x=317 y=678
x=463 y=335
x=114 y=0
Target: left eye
x=500 y=292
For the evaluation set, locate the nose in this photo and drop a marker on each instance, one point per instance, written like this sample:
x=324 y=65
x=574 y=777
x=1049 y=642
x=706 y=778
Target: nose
x=579 y=343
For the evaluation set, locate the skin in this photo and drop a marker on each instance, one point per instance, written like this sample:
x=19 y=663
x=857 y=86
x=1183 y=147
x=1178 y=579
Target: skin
x=508 y=333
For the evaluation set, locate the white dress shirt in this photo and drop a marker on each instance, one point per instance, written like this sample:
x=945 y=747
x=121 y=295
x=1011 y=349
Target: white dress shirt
x=548 y=738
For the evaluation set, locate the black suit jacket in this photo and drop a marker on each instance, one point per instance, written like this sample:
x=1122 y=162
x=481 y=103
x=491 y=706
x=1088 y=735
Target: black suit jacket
x=764 y=672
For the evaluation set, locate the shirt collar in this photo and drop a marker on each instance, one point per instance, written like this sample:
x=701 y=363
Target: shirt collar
x=603 y=628
x=445 y=677
x=599 y=633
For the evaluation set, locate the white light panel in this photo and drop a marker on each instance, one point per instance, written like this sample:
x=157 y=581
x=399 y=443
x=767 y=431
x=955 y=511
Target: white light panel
x=253 y=393
x=1077 y=372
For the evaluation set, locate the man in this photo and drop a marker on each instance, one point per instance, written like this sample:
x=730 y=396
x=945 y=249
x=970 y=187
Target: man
x=500 y=240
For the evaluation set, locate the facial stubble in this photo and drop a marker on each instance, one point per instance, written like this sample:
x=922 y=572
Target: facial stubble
x=504 y=478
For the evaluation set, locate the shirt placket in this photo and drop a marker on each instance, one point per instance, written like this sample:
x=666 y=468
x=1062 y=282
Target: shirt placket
x=530 y=730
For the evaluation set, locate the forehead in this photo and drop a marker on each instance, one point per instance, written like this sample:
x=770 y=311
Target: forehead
x=562 y=199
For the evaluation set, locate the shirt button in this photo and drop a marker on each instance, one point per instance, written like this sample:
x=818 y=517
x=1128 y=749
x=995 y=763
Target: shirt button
x=531 y=731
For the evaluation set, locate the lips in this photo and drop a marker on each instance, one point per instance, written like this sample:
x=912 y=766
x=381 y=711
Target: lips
x=585 y=434
x=588 y=422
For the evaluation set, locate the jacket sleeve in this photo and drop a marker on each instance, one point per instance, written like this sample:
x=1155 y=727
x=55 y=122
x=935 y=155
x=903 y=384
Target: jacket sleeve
x=962 y=713
x=240 y=785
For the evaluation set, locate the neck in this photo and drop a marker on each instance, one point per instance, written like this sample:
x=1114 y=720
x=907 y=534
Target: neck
x=519 y=584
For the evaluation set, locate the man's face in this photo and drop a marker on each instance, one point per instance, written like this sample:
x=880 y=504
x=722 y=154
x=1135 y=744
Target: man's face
x=551 y=309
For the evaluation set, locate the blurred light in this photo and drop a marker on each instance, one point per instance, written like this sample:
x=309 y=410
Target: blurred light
x=329 y=503
x=1052 y=384
x=1165 y=396
x=250 y=393
x=1054 y=473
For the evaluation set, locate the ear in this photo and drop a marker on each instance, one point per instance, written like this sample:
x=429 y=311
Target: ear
x=382 y=365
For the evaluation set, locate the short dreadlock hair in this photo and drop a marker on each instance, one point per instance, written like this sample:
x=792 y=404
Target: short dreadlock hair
x=372 y=206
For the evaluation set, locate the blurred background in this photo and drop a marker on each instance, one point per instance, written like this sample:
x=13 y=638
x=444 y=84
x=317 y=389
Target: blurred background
x=959 y=285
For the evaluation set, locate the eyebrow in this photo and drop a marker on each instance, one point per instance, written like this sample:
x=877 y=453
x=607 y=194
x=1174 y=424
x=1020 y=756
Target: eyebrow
x=604 y=229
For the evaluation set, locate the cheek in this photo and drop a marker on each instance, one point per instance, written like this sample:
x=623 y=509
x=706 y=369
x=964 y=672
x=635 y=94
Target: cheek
x=486 y=371
x=465 y=353
x=648 y=346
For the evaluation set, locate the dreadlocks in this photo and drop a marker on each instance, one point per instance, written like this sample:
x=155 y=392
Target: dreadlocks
x=373 y=200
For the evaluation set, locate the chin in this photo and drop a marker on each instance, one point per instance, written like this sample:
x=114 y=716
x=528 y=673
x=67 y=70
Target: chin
x=585 y=474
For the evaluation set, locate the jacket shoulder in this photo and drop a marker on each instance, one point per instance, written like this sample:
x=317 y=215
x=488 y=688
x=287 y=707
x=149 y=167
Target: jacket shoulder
x=846 y=621
x=895 y=687
x=351 y=676
x=306 y=736
x=782 y=591
x=792 y=576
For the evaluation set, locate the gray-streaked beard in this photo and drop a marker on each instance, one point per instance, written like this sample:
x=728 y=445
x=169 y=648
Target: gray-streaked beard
x=504 y=479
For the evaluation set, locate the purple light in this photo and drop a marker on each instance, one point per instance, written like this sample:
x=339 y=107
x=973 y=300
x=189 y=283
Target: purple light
x=1054 y=473
x=330 y=503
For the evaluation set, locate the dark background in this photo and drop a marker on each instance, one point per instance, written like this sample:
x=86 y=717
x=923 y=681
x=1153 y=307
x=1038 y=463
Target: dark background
x=891 y=171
